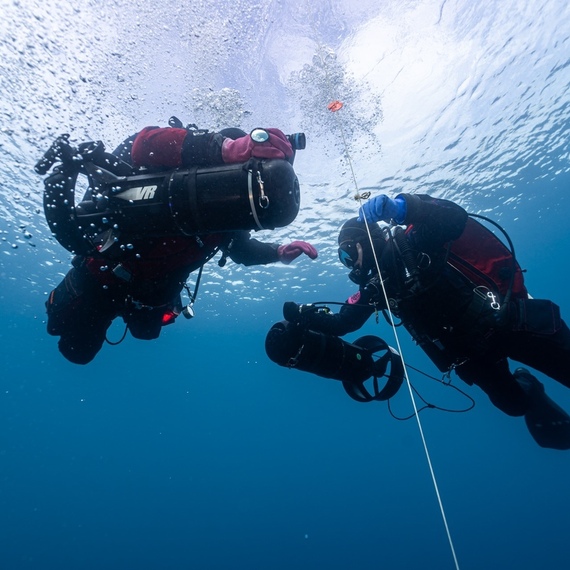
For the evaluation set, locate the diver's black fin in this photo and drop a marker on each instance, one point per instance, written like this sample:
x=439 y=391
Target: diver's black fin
x=546 y=421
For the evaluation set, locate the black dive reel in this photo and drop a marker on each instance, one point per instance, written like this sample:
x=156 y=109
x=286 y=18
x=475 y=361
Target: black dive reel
x=294 y=346
x=259 y=194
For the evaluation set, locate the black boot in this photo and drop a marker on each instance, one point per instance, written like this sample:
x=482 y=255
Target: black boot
x=546 y=421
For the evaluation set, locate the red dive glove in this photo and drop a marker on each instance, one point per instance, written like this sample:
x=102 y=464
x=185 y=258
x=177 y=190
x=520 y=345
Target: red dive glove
x=242 y=149
x=287 y=253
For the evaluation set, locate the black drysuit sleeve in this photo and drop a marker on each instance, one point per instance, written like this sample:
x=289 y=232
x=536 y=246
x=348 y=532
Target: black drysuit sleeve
x=435 y=221
x=246 y=250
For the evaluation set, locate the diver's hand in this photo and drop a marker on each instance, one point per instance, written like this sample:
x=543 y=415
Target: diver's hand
x=383 y=208
x=242 y=149
x=287 y=253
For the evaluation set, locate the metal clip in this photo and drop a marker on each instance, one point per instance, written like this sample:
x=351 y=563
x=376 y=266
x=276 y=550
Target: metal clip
x=263 y=199
x=446 y=377
x=494 y=303
x=292 y=362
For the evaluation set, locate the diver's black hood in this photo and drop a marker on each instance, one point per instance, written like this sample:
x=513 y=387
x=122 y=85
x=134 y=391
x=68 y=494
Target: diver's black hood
x=354 y=231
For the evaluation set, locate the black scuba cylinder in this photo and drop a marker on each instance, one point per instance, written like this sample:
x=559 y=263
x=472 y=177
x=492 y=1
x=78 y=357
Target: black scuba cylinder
x=260 y=194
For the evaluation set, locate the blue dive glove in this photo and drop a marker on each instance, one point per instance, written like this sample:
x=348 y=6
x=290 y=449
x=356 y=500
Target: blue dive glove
x=383 y=208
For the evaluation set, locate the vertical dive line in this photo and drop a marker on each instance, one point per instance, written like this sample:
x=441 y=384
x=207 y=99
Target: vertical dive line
x=412 y=398
x=334 y=107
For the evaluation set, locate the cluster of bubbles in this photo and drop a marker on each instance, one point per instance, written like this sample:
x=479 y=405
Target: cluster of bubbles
x=219 y=108
x=323 y=81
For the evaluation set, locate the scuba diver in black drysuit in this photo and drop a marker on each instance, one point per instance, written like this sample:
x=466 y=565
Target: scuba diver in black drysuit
x=158 y=208
x=460 y=293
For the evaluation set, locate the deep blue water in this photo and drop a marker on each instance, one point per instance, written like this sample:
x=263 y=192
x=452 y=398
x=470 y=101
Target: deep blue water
x=195 y=451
